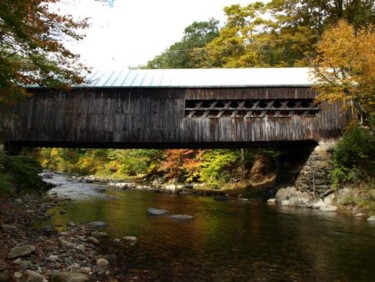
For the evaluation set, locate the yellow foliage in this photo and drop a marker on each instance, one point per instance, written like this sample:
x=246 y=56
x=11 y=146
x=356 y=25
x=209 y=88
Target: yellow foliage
x=344 y=69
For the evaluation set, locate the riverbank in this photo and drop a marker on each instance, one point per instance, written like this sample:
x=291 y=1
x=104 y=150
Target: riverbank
x=76 y=251
x=358 y=201
x=35 y=253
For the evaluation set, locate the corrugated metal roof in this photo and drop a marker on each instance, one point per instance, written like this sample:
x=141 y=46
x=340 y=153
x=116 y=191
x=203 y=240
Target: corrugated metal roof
x=244 y=77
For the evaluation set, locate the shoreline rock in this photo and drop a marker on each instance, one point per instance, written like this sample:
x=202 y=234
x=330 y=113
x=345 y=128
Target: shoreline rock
x=32 y=254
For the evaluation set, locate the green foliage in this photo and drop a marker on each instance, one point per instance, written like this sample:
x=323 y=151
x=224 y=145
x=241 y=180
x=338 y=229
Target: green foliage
x=19 y=173
x=32 y=49
x=217 y=167
x=354 y=156
x=278 y=33
x=101 y=162
x=181 y=54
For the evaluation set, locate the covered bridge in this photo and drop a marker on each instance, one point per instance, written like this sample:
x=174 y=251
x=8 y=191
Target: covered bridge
x=177 y=108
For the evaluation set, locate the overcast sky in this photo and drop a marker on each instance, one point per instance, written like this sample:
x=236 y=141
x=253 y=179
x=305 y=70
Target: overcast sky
x=132 y=32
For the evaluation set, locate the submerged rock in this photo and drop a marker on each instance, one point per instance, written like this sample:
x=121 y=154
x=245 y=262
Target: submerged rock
x=328 y=208
x=130 y=238
x=222 y=198
x=152 y=211
x=371 y=219
x=98 y=234
x=181 y=217
x=97 y=224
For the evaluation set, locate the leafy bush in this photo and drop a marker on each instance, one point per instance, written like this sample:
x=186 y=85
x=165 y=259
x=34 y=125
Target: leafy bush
x=217 y=167
x=19 y=173
x=354 y=156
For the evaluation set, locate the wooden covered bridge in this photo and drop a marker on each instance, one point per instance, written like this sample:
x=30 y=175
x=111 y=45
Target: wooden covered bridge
x=177 y=108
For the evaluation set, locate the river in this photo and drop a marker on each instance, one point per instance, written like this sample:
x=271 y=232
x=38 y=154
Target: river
x=231 y=240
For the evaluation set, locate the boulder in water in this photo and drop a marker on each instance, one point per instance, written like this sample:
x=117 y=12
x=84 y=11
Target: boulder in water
x=152 y=211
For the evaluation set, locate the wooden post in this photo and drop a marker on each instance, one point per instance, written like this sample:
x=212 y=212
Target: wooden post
x=243 y=164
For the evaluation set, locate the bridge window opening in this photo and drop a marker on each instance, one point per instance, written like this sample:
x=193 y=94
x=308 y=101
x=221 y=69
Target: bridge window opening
x=234 y=105
x=206 y=104
x=189 y=104
x=248 y=104
x=220 y=104
x=276 y=104
x=291 y=104
x=250 y=108
x=227 y=114
x=306 y=104
x=262 y=104
x=213 y=114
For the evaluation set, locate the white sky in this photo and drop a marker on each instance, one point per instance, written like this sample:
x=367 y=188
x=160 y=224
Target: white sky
x=133 y=32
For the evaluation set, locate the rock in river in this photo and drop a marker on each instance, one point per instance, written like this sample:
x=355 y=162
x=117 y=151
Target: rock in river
x=97 y=224
x=152 y=211
x=181 y=217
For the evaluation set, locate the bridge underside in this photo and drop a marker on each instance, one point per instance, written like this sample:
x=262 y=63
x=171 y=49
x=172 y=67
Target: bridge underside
x=287 y=145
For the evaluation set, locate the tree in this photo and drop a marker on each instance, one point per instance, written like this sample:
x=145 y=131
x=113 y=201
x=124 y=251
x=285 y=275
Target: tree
x=281 y=32
x=297 y=25
x=344 y=69
x=179 y=55
x=237 y=44
x=32 y=50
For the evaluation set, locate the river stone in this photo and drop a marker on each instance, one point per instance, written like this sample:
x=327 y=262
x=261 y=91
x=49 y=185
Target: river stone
x=271 y=201
x=328 y=208
x=97 y=224
x=98 y=234
x=65 y=276
x=52 y=258
x=9 y=228
x=130 y=238
x=17 y=275
x=21 y=251
x=102 y=262
x=152 y=211
x=31 y=276
x=71 y=224
x=371 y=218
x=93 y=240
x=4 y=276
x=181 y=217
x=64 y=243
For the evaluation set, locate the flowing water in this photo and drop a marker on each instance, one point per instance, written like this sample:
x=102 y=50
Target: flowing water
x=229 y=240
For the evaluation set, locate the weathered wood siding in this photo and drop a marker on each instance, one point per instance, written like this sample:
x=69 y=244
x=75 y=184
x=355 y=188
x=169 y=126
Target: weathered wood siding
x=152 y=117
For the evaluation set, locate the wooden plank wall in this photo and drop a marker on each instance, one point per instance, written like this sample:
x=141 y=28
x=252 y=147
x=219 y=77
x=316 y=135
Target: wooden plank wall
x=136 y=117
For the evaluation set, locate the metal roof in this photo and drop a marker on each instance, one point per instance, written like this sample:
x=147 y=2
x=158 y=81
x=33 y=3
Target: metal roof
x=174 y=78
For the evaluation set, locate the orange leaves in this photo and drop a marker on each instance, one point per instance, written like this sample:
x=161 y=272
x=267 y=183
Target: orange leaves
x=181 y=163
x=345 y=67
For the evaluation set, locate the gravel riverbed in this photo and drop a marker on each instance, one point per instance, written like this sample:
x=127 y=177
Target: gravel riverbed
x=30 y=252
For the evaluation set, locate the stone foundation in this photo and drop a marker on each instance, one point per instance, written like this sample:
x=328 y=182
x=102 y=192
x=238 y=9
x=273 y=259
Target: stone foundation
x=314 y=176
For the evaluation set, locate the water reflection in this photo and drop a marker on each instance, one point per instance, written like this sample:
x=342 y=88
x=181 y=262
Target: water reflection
x=233 y=240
